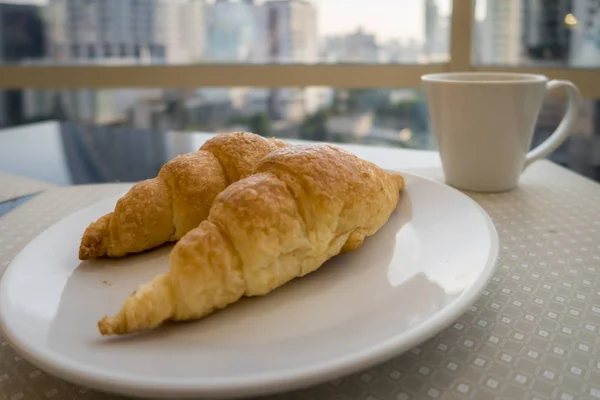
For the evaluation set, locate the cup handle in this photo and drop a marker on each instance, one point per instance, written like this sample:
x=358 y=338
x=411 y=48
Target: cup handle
x=564 y=128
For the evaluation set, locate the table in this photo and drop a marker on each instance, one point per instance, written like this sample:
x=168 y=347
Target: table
x=533 y=334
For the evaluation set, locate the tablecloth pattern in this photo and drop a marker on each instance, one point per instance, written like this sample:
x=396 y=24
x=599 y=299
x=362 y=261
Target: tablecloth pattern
x=13 y=186
x=533 y=334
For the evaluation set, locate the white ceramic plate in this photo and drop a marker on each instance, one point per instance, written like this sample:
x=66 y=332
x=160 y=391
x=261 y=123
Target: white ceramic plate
x=420 y=272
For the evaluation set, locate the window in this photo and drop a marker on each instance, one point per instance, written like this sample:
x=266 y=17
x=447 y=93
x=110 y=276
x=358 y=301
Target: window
x=259 y=32
x=549 y=33
x=395 y=117
x=370 y=53
x=581 y=152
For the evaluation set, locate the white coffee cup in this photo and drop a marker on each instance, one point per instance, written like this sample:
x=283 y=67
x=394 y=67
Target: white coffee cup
x=484 y=122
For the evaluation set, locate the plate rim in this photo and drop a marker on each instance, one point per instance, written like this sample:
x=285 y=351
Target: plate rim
x=264 y=383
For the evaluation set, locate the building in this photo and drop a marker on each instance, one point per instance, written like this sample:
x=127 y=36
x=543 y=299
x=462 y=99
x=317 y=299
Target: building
x=292 y=37
x=437 y=34
x=106 y=31
x=196 y=22
x=431 y=21
x=182 y=25
x=233 y=32
x=125 y=31
x=356 y=47
x=565 y=32
x=22 y=39
x=585 y=53
x=111 y=32
x=498 y=38
x=585 y=37
x=546 y=36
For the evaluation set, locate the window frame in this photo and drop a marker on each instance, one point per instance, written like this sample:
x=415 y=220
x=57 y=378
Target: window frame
x=352 y=76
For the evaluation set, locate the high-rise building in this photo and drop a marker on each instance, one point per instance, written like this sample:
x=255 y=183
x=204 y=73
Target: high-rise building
x=22 y=40
x=546 y=36
x=232 y=36
x=585 y=37
x=196 y=23
x=557 y=32
x=585 y=53
x=431 y=28
x=499 y=36
x=182 y=24
x=291 y=31
x=233 y=32
x=292 y=37
x=125 y=31
x=437 y=33
x=104 y=31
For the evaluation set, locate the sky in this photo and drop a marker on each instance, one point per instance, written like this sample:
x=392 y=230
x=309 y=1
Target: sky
x=401 y=19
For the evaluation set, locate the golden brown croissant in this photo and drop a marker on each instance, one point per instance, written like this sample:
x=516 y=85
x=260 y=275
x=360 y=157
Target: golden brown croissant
x=302 y=205
x=164 y=208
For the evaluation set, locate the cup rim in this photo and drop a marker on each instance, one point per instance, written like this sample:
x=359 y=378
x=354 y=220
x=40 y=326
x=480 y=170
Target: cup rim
x=492 y=78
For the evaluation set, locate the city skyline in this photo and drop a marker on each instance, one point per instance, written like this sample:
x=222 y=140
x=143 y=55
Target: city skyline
x=388 y=20
x=263 y=31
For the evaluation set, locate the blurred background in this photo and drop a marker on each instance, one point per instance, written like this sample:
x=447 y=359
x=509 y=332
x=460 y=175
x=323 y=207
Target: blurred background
x=558 y=37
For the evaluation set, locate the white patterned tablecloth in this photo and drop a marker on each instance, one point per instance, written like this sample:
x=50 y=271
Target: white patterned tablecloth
x=533 y=334
x=13 y=186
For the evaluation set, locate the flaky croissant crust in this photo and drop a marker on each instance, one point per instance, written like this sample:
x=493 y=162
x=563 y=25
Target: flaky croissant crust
x=301 y=206
x=163 y=209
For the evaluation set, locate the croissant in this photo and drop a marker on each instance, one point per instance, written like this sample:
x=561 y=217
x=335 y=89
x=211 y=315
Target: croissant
x=163 y=209
x=302 y=205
